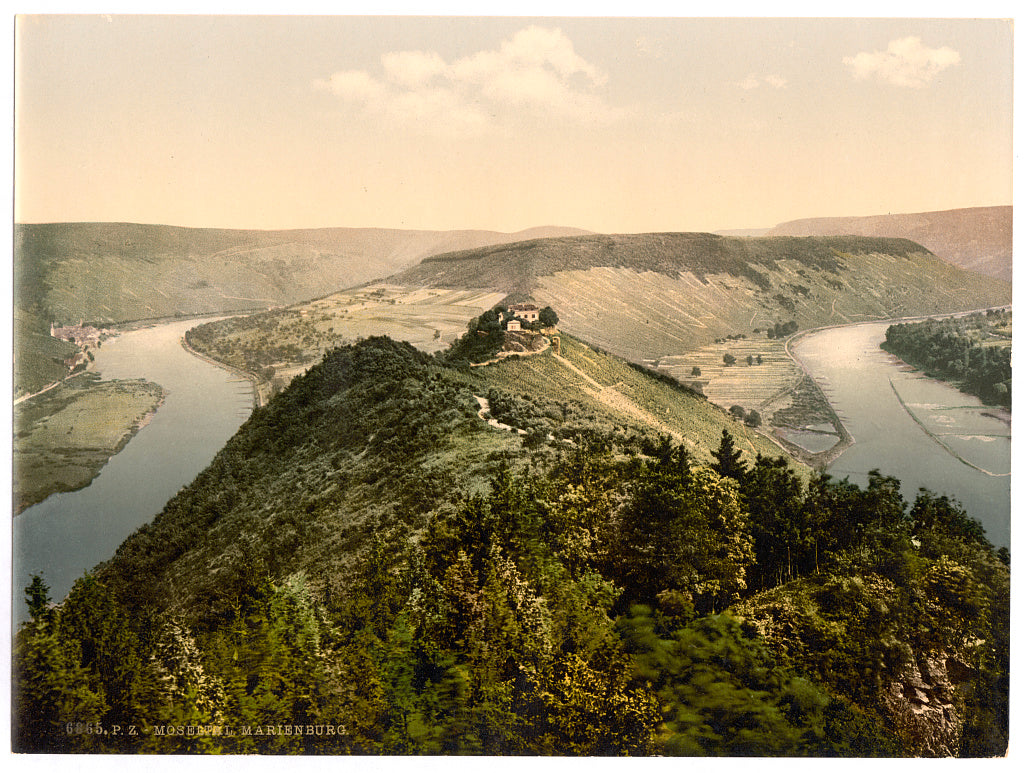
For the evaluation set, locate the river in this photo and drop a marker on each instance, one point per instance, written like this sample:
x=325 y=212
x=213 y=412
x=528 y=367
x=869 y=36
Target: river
x=67 y=534
x=888 y=407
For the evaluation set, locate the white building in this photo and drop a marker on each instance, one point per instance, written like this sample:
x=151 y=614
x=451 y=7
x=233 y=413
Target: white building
x=525 y=311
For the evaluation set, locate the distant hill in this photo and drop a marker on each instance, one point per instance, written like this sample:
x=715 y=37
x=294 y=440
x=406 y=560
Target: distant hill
x=116 y=272
x=979 y=238
x=644 y=296
x=744 y=232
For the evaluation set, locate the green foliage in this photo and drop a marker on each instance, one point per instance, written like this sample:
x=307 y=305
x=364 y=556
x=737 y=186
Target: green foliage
x=483 y=339
x=973 y=351
x=50 y=688
x=682 y=531
x=723 y=694
x=367 y=554
x=781 y=330
x=728 y=463
x=547 y=317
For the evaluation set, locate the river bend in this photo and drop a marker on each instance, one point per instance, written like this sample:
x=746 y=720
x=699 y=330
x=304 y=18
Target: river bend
x=68 y=534
x=924 y=432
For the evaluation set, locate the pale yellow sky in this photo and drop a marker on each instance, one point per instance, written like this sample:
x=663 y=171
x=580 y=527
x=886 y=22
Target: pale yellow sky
x=613 y=125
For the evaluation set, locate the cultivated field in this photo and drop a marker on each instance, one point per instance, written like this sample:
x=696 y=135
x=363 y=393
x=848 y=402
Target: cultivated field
x=278 y=344
x=615 y=396
x=788 y=402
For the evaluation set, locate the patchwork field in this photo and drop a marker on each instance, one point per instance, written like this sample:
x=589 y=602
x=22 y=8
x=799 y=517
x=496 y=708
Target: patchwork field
x=63 y=438
x=278 y=344
x=771 y=383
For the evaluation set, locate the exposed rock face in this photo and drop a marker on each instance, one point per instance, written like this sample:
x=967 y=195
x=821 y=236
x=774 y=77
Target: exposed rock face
x=922 y=704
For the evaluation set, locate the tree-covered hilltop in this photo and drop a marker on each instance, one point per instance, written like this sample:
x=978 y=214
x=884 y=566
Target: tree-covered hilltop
x=487 y=334
x=367 y=567
x=972 y=351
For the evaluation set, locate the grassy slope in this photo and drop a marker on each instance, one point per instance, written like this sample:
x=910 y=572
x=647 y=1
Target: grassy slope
x=978 y=238
x=116 y=272
x=651 y=295
x=617 y=395
x=63 y=438
x=38 y=358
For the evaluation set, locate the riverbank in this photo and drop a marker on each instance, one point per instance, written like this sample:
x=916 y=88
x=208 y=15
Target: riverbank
x=921 y=431
x=846 y=439
x=262 y=390
x=70 y=532
x=66 y=433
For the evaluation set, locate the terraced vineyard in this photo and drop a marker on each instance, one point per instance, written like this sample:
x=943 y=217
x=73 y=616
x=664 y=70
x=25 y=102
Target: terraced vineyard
x=789 y=402
x=756 y=384
x=648 y=315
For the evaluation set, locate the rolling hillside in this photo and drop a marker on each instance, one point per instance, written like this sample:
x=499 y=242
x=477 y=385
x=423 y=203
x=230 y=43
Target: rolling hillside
x=370 y=566
x=116 y=272
x=557 y=402
x=978 y=238
x=646 y=296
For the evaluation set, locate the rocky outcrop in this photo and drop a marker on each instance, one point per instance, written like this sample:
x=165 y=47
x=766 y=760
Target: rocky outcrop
x=922 y=704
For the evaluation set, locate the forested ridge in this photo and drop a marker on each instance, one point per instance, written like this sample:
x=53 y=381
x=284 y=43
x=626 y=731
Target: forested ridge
x=368 y=568
x=973 y=351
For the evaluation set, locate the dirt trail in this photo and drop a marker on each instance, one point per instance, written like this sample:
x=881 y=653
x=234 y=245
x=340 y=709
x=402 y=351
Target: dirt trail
x=48 y=387
x=614 y=399
x=502 y=355
x=485 y=409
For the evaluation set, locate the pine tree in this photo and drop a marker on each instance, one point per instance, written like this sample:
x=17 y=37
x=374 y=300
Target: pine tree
x=728 y=463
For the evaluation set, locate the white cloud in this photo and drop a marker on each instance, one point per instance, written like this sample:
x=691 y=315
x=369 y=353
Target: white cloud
x=753 y=82
x=412 y=68
x=906 y=62
x=536 y=47
x=353 y=85
x=537 y=69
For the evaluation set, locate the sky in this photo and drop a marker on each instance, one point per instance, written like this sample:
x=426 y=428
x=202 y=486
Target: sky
x=613 y=125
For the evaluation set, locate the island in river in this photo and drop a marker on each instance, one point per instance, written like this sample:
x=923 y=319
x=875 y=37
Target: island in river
x=64 y=436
